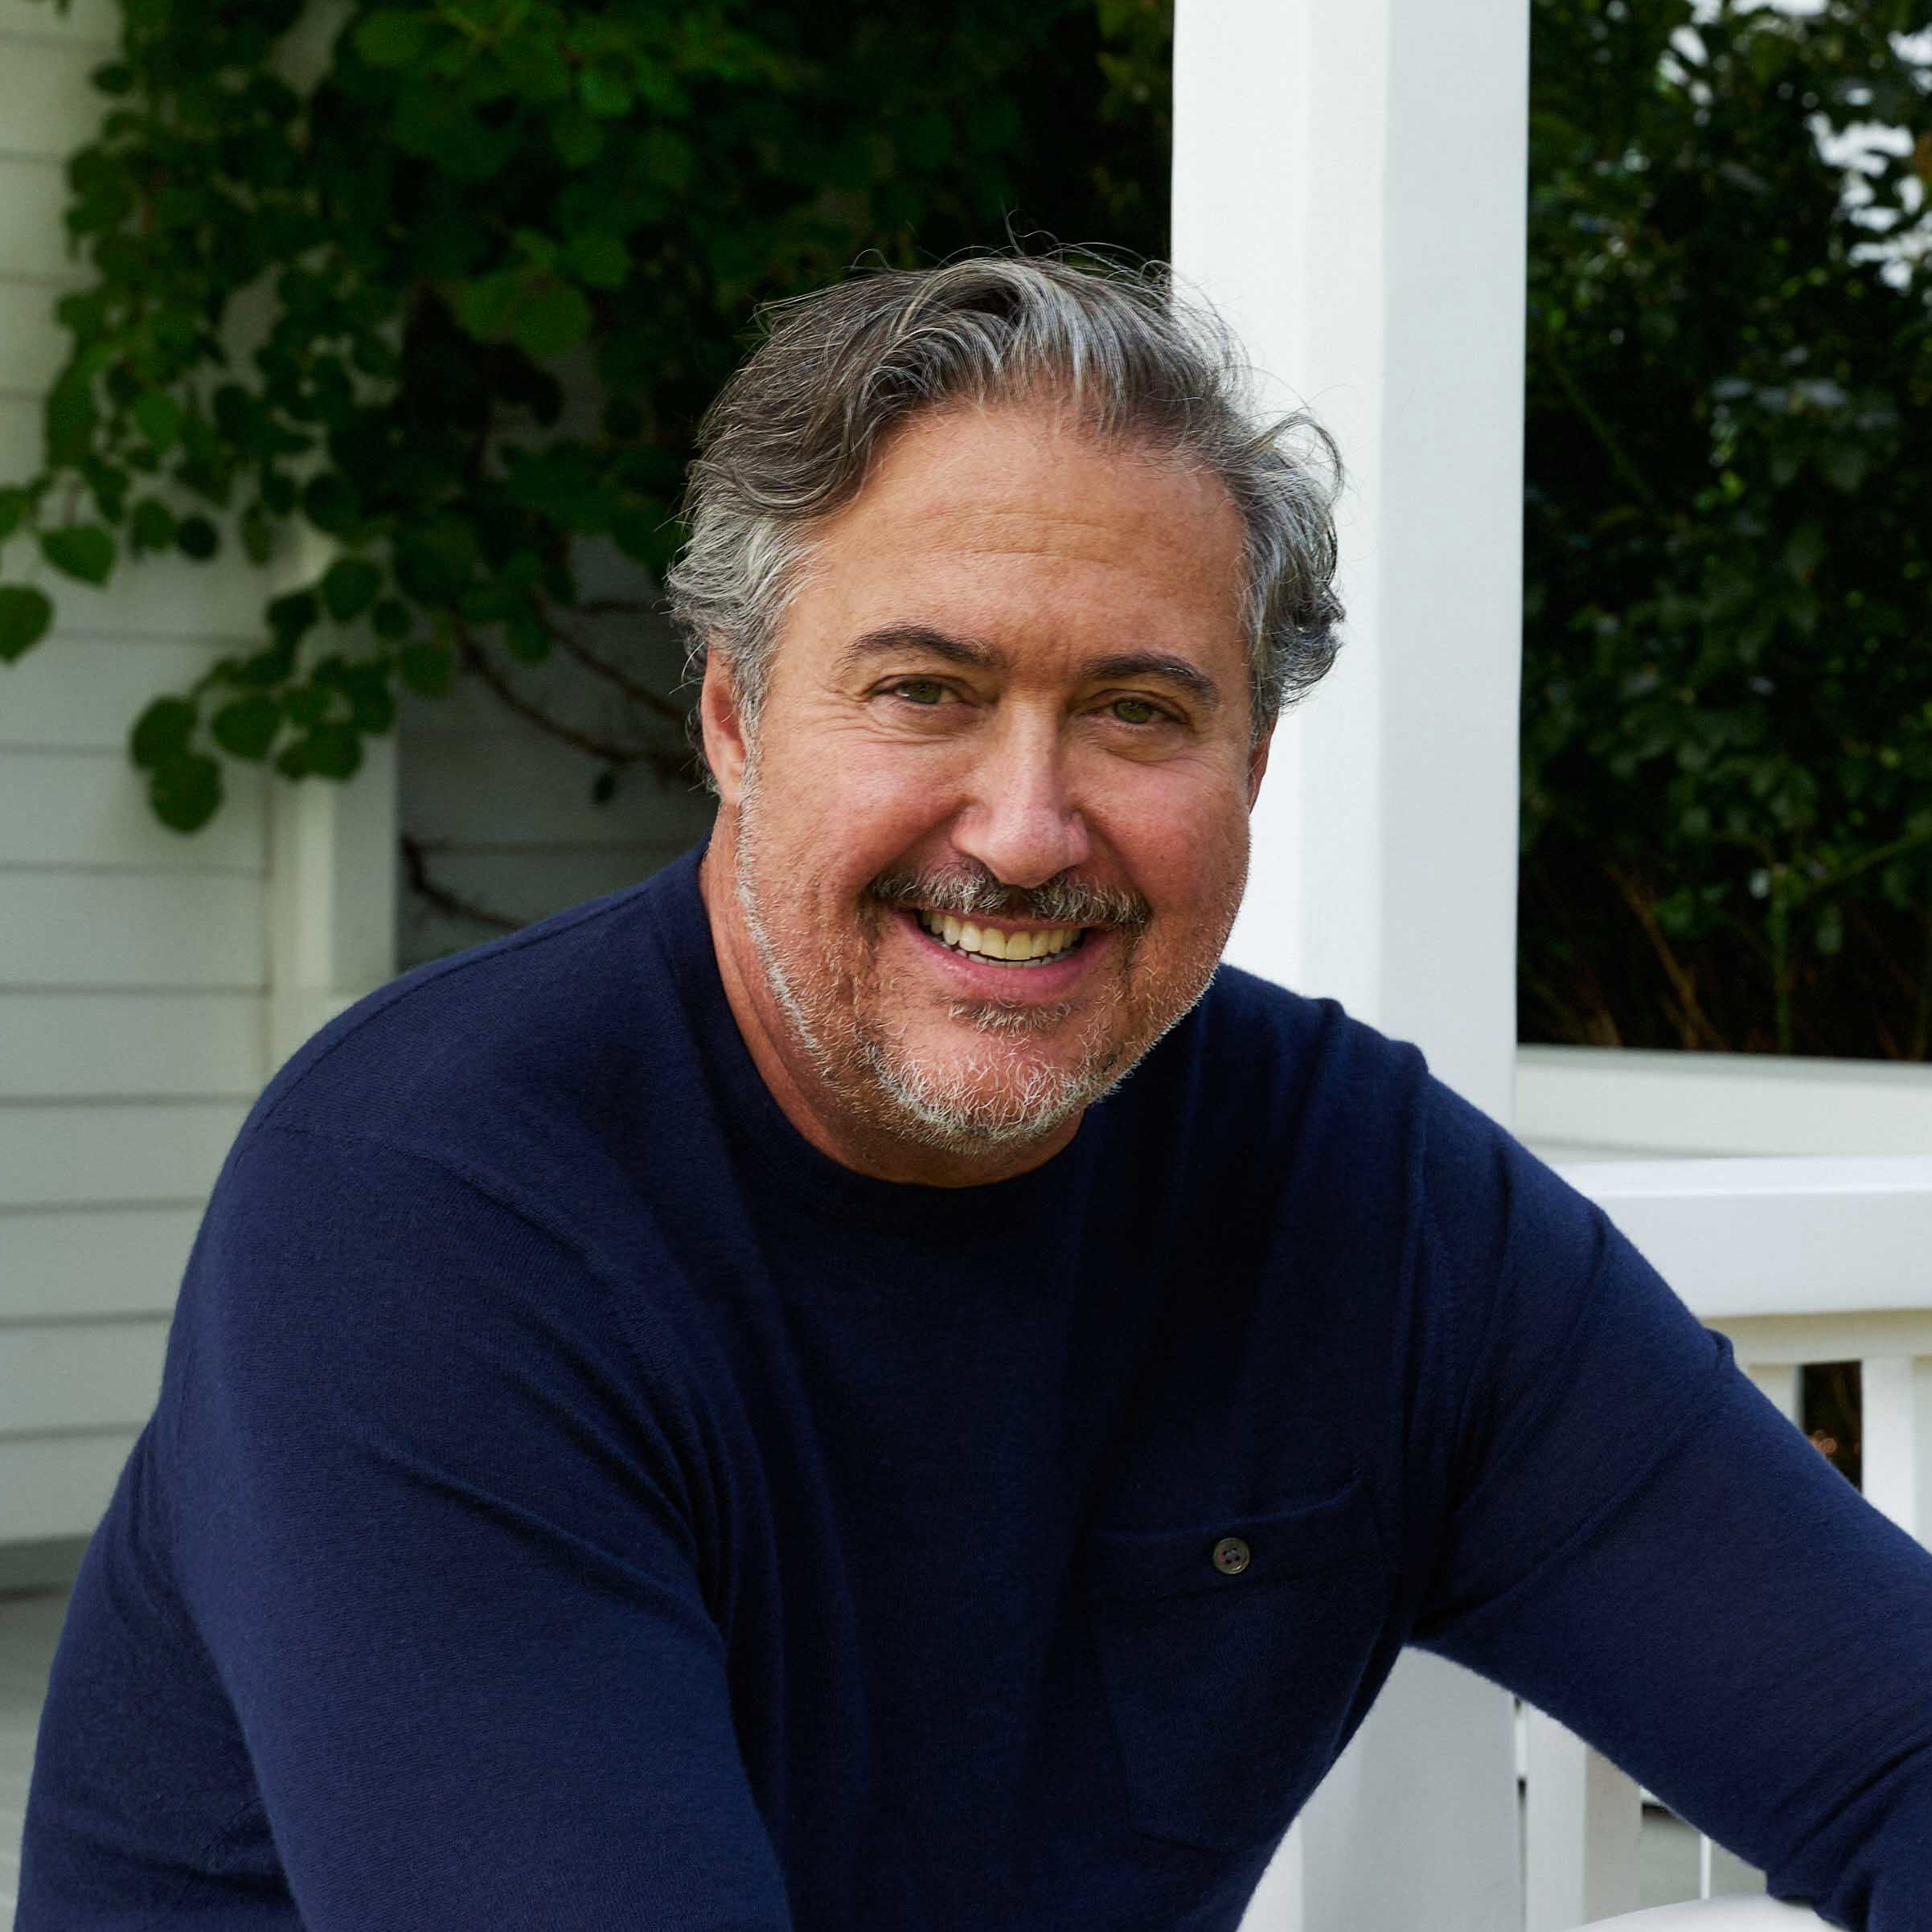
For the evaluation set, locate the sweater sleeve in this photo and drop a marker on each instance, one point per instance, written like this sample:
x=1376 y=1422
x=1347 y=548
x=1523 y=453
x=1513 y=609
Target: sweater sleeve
x=1640 y=1545
x=439 y=1548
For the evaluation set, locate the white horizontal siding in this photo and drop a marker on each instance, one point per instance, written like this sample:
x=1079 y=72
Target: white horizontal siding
x=133 y=960
x=57 y=1485
x=504 y=812
x=131 y=931
x=33 y=242
x=82 y=1263
x=520 y=885
x=95 y=24
x=89 y=810
x=55 y=1153
x=83 y=694
x=47 y=108
x=80 y=1375
x=32 y=346
x=522 y=792
x=115 y=1046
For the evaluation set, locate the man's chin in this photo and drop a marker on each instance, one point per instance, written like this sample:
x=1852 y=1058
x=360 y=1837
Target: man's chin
x=961 y=1103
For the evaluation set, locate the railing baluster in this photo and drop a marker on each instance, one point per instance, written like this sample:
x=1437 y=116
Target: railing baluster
x=1897 y=1439
x=1581 y=1818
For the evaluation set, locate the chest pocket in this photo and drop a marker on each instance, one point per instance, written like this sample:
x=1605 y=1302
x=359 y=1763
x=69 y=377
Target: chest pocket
x=1229 y=1653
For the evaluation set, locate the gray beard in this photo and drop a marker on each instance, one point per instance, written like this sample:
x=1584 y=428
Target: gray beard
x=874 y=1073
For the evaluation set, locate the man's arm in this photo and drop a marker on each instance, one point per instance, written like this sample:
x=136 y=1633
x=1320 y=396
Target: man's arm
x=1645 y=1548
x=441 y=1557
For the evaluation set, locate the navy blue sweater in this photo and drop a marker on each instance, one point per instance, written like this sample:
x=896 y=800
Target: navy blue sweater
x=574 y=1503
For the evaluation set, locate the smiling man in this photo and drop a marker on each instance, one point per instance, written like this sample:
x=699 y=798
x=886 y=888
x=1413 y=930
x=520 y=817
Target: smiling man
x=993 y=844
x=861 y=1385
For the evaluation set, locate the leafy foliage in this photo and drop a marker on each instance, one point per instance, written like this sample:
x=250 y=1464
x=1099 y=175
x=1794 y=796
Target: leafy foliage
x=1727 y=822
x=476 y=217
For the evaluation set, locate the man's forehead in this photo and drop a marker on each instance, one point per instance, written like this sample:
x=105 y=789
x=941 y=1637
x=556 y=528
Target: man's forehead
x=1005 y=474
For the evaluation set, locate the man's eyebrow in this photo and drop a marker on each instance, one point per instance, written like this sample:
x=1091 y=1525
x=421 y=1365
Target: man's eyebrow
x=1129 y=664
x=893 y=639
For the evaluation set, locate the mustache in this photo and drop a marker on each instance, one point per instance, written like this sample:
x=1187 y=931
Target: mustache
x=971 y=890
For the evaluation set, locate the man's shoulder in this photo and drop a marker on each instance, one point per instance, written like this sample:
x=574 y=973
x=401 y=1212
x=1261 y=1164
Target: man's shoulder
x=1264 y=1042
x=526 y=1040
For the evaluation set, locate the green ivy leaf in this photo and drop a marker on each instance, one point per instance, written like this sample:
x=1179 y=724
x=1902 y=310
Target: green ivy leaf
x=196 y=537
x=605 y=93
x=578 y=139
x=157 y=416
x=25 y=615
x=293 y=617
x=14 y=503
x=332 y=751
x=257 y=534
x=528 y=636
x=307 y=705
x=551 y=321
x=484 y=306
x=371 y=710
x=162 y=732
x=185 y=791
x=329 y=503
x=391 y=619
x=348 y=588
x=602 y=261
x=428 y=667
x=71 y=419
x=85 y=551
x=247 y=728
x=153 y=528
x=391 y=38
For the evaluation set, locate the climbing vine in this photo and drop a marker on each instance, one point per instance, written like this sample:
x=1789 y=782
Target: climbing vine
x=489 y=261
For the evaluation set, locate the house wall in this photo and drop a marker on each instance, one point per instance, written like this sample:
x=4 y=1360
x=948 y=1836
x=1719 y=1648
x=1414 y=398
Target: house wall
x=132 y=959
x=150 y=982
x=503 y=810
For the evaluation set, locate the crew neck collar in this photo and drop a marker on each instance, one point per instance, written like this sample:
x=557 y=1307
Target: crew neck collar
x=773 y=1150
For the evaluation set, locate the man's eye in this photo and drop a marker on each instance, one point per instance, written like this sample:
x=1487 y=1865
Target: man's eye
x=921 y=691
x=1137 y=710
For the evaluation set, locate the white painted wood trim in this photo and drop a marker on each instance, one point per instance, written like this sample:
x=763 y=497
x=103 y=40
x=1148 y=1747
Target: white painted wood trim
x=1721 y=1103
x=331 y=900
x=1796 y=1237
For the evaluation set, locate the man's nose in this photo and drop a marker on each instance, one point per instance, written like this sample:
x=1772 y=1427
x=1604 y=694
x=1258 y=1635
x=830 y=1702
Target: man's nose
x=1021 y=819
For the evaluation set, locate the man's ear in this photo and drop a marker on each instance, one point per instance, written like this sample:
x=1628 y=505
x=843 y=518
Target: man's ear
x=1257 y=764
x=724 y=743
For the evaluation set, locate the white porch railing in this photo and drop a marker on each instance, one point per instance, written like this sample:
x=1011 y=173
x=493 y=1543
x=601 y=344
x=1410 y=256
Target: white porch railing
x=1797 y=1260
x=1722 y=1915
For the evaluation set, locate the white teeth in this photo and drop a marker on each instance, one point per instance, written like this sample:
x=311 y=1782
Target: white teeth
x=994 y=942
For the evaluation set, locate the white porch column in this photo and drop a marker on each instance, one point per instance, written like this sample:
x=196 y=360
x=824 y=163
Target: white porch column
x=331 y=883
x=331 y=901
x=1349 y=188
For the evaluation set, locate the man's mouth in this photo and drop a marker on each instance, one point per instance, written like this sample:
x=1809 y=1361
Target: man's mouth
x=996 y=945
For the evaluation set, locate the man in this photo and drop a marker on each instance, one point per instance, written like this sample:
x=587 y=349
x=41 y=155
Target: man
x=857 y=1383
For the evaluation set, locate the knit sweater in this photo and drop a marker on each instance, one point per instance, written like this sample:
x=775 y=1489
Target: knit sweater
x=575 y=1504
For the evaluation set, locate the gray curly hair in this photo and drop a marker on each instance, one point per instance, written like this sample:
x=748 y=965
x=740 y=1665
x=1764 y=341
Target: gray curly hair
x=789 y=439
